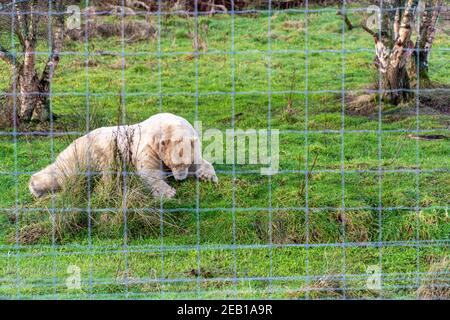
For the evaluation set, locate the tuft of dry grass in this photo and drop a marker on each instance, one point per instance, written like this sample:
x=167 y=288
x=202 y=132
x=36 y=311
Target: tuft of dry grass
x=101 y=201
x=30 y=234
x=293 y=24
x=435 y=286
x=326 y=288
x=362 y=105
x=72 y=217
x=357 y=224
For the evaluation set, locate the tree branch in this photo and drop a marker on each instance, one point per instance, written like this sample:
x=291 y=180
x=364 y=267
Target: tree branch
x=403 y=43
x=33 y=21
x=372 y=33
x=53 y=60
x=21 y=23
x=396 y=24
x=427 y=33
x=20 y=37
x=361 y=25
x=407 y=19
x=428 y=27
x=346 y=19
x=19 y=16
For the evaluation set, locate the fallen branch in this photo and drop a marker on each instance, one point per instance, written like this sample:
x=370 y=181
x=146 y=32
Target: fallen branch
x=213 y=7
x=137 y=4
x=372 y=33
x=428 y=137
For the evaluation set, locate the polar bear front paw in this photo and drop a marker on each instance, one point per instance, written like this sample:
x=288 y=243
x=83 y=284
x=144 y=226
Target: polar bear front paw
x=163 y=190
x=207 y=173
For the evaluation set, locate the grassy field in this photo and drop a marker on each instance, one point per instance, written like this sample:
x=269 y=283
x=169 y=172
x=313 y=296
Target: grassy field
x=250 y=236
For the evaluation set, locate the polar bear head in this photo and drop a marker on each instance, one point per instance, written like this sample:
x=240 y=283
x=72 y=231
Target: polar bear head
x=179 y=150
x=43 y=182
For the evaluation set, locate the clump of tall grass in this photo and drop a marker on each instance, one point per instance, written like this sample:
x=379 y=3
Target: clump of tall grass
x=435 y=284
x=103 y=202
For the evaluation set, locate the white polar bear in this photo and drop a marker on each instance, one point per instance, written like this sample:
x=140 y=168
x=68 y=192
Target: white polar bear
x=163 y=143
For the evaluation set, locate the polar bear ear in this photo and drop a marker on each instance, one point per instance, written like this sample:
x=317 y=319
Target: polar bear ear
x=163 y=144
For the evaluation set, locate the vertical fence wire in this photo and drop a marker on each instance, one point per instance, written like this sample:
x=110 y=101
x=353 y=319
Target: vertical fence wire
x=124 y=168
x=52 y=152
x=233 y=114
x=380 y=164
x=88 y=128
x=308 y=280
x=160 y=102
x=343 y=213
x=269 y=117
x=16 y=175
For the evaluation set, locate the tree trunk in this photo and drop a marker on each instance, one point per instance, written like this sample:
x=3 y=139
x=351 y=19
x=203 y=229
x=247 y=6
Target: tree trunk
x=31 y=87
x=400 y=61
x=395 y=84
x=419 y=65
x=393 y=51
x=31 y=102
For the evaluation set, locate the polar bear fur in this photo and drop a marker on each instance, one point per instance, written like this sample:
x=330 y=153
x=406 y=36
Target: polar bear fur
x=163 y=143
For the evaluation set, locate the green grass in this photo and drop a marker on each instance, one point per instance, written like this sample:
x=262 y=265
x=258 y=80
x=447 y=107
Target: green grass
x=40 y=270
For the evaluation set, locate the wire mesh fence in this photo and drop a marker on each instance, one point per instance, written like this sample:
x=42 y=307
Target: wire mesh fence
x=355 y=205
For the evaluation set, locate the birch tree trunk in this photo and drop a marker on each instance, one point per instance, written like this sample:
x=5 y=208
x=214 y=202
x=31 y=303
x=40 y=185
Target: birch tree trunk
x=393 y=49
x=427 y=31
x=399 y=60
